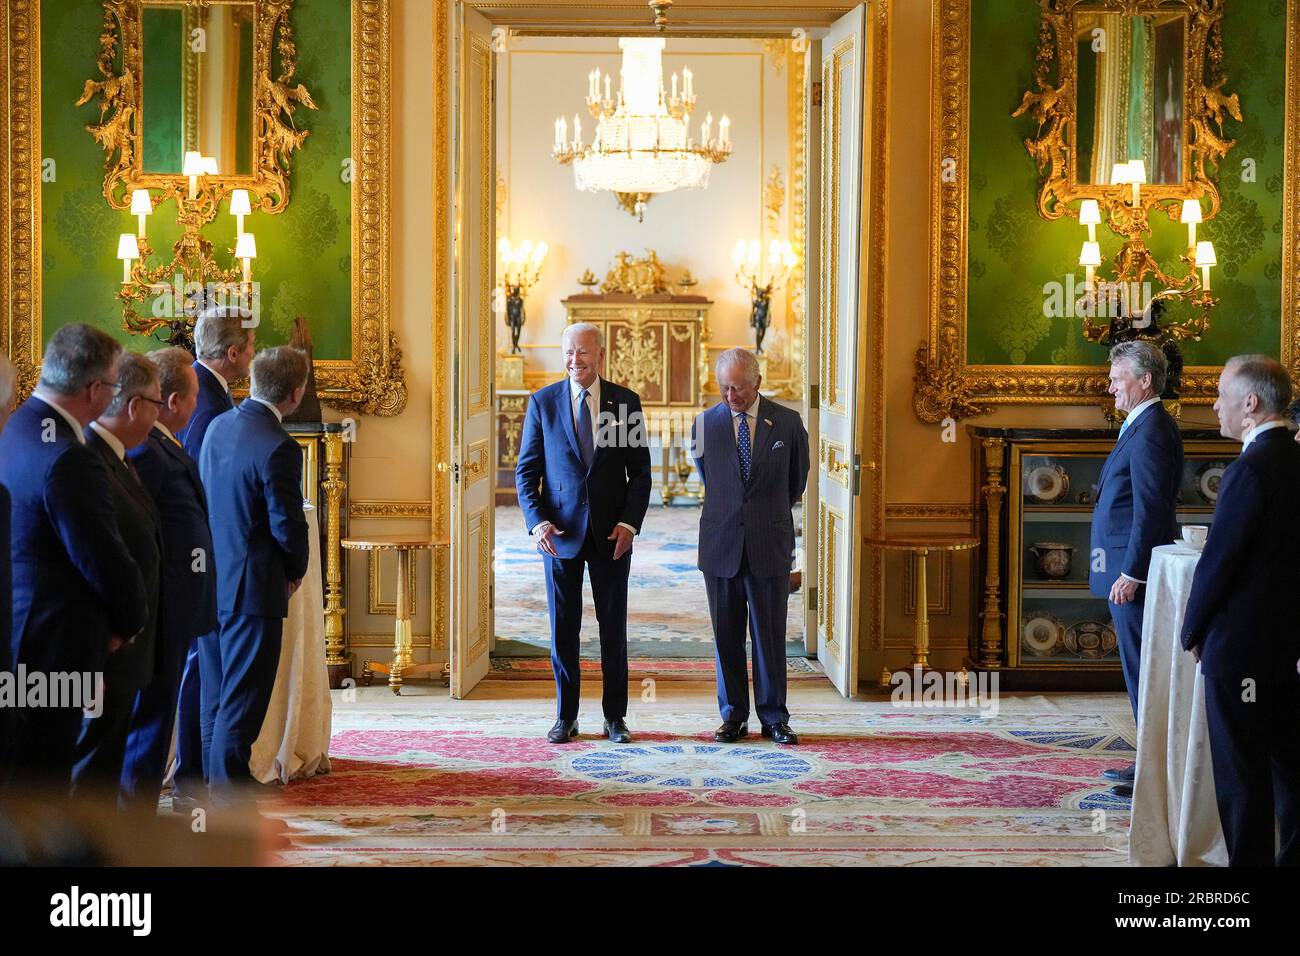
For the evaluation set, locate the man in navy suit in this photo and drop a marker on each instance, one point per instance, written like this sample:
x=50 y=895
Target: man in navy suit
x=1240 y=620
x=1136 y=502
x=77 y=595
x=8 y=384
x=252 y=473
x=101 y=748
x=223 y=340
x=752 y=455
x=189 y=581
x=583 y=479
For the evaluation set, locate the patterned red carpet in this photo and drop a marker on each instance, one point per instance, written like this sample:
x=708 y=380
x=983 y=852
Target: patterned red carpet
x=870 y=784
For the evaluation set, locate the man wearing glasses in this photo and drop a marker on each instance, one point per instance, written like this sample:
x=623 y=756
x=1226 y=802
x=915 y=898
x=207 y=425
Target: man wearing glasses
x=124 y=425
x=77 y=593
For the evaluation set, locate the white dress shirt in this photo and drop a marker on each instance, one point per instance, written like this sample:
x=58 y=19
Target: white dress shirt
x=593 y=406
x=52 y=401
x=752 y=414
x=1250 y=436
x=279 y=416
x=111 y=440
x=221 y=379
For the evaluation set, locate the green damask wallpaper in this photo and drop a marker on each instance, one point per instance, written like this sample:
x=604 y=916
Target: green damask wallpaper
x=1013 y=251
x=304 y=259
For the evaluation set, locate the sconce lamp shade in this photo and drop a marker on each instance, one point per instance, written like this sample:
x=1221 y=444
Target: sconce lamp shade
x=140 y=204
x=1089 y=213
x=127 y=247
x=1091 y=254
x=1191 y=211
x=193 y=164
x=1205 y=254
x=209 y=165
x=1137 y=171
x=239 y=204
x=738 y=253
x=1121 y=174
x=246 y=247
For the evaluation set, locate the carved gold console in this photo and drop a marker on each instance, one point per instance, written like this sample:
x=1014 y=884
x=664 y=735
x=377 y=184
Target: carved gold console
x=658 y=347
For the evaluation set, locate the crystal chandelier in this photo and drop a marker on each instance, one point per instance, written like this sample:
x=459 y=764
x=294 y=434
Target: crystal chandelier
x=642 y=144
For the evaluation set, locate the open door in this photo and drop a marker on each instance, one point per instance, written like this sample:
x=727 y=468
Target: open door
x=473 y=373
x=841 y=329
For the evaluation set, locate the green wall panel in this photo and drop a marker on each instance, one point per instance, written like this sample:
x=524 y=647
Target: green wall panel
x=304 y=260
x=1013 y=251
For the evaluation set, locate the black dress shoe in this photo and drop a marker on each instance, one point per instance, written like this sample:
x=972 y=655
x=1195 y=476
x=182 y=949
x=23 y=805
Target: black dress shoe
x=1122 y=775
x=1122 y=789
x=563 y=731
x=616 y=730
x=731 y=731
x=780 y=733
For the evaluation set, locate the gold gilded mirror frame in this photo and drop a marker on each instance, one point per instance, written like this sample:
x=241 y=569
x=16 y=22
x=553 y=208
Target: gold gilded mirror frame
x=944 y=385
x=371 y=381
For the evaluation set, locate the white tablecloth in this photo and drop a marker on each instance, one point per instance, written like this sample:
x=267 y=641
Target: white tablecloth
x=1175 y=817
x=295 y=736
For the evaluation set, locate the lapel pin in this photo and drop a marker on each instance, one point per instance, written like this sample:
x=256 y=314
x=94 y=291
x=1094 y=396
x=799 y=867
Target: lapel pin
x=767 y=422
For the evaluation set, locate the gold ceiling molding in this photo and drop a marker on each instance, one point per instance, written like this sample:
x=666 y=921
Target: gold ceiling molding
x=945 y=386
x=371 y=381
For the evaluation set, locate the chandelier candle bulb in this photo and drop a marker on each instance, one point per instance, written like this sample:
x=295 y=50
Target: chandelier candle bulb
x=674 y=87
x=141 y=207
x=127 y=249
x=240 y=206
x=1204 y=259
x=246 y=251
x=688 y=84
x=1137 y=176
x=1090 y=258
x=1191 y=215
x=724 y=139
x=192 y=167
x=1090 y=216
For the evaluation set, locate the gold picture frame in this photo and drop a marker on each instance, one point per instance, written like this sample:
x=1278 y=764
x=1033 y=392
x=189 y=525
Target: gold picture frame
x=371 y=381
x=945 y=386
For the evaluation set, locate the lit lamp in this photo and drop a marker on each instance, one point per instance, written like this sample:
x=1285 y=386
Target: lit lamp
x=127 y=249
x=1204 y=259
x=1137 y=170
x=522 y=267
x=1090 y=216
x=1191 y=215
x=246 y=252
x=193 y=167
x=239 y=208
x=141 y=206
x=1090 y=259
x=747 y=258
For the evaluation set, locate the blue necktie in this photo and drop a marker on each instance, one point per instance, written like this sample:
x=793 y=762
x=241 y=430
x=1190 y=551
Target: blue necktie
x=742 y=445
x=585 y=443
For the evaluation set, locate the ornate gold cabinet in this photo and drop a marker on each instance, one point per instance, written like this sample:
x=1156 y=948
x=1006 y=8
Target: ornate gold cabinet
x=1036 y=622
x=512 y=405
x=656 y=345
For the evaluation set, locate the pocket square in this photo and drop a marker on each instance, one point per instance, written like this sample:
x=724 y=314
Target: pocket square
x=779 y=444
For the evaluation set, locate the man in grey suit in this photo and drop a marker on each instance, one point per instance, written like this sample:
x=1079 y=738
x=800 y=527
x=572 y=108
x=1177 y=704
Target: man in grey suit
x=752 y=455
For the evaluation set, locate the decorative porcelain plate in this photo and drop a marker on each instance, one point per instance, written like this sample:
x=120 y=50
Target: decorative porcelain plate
x=1043 y=635
x=1207 y=482
x=1047 y=483
x=1091 y=639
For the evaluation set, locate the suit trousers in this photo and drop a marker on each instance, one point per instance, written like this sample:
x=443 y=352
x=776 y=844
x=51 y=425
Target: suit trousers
x=152 y=720
x=40 y=749
x=760 y=602
x=1127 y=619
x=250 y=656
x=564 y=597
x=1256 y=755
x=191 y=775
x=101 y=748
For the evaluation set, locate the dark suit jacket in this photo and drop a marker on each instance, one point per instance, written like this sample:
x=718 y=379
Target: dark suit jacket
x=750 y=517
x=189 y=596
x=554 y=485
x=1241 y=611
x=6 y=583
x=74 y=583
x=212 y=401
x=252 y=472
x=1136 y=499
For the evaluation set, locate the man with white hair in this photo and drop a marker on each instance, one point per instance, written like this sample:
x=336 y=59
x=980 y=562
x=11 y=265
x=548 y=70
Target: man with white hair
x=1240 y=620
x=752 y=455
x=252 y=474
x=584 y=485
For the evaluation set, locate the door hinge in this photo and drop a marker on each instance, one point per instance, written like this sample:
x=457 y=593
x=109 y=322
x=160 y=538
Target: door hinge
x=857 y=474
x=455 y=472
x=812 y=599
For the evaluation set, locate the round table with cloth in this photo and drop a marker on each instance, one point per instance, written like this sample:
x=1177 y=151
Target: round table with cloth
x=295 y=736
x=1175 y=817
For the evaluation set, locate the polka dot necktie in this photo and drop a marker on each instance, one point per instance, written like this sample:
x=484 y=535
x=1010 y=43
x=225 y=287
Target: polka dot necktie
x=742 y=445
x=585 y=441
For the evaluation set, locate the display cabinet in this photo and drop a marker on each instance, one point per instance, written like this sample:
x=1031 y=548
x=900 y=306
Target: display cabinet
x=1037 y=622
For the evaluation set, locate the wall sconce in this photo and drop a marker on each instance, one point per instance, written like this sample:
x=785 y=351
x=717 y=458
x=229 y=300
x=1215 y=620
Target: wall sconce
x=128 y=249
x=246 y=252
x=141 y=206
x=521 y=268
x=239 y=208
x=747 y=258
x=1191 y=215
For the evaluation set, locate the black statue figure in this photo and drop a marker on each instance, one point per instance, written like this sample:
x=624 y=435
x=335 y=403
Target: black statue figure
x=514 y=315
x=760 y=315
